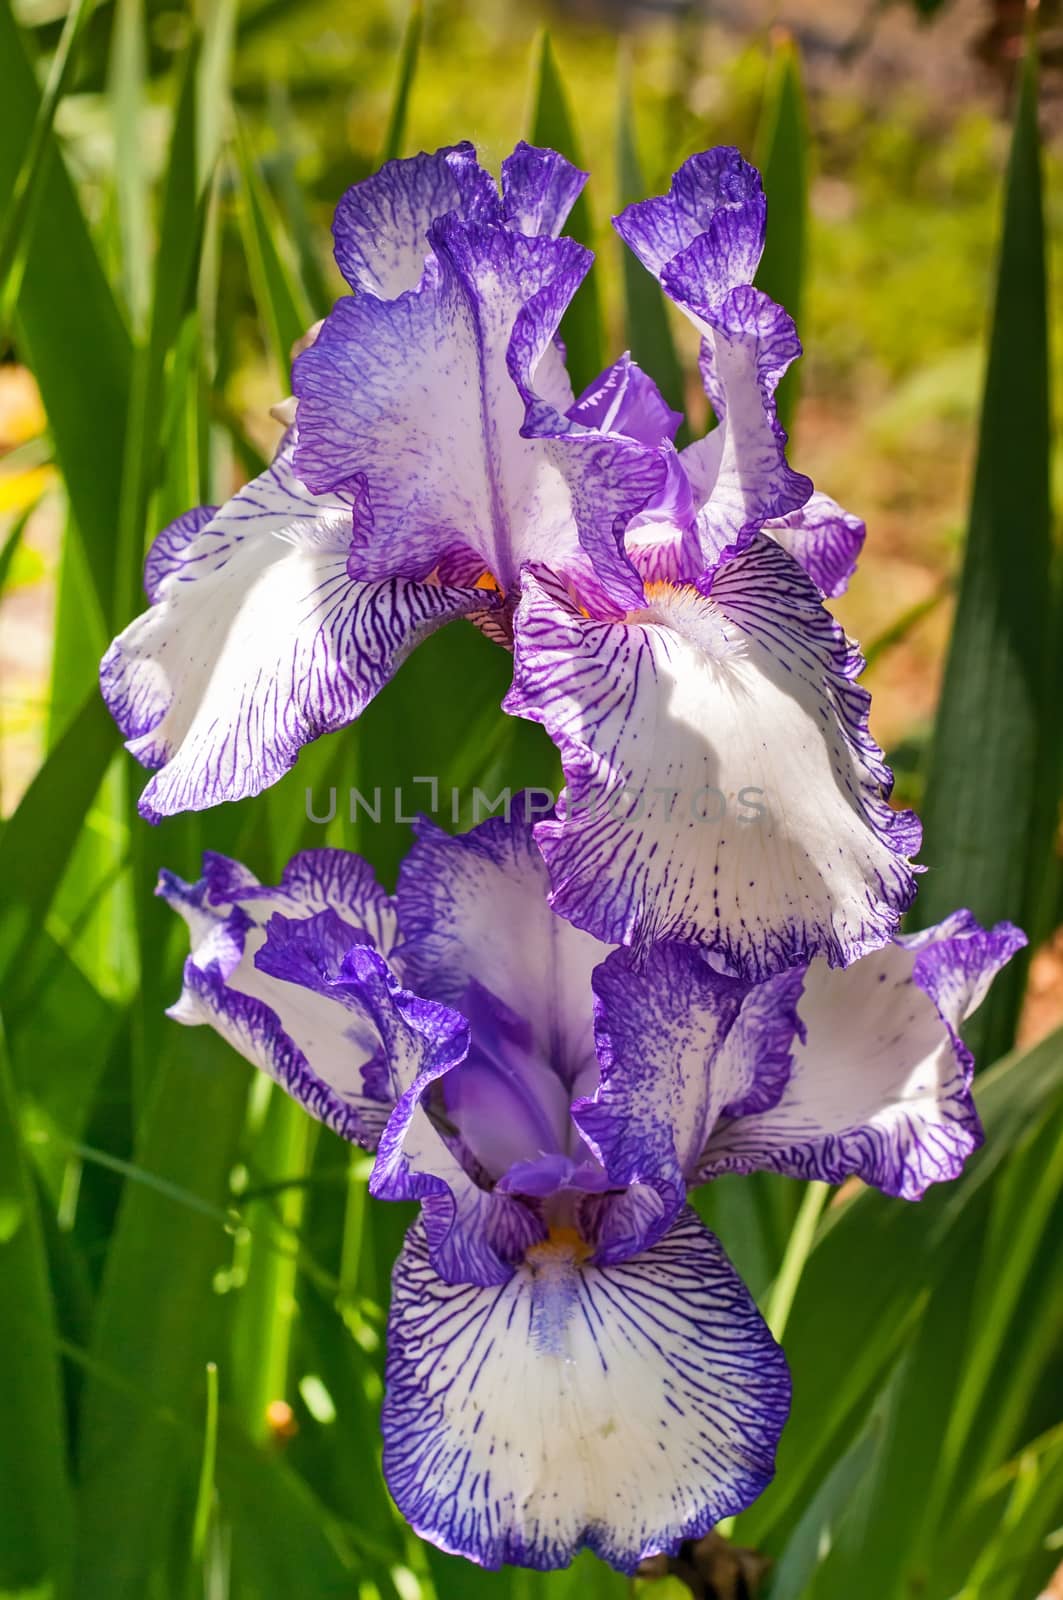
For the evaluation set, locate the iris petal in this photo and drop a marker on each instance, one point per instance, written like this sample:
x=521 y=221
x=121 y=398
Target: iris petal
x=624 y=1409
x=722 y=787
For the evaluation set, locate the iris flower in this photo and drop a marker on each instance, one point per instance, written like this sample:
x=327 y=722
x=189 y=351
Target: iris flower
x=665 y=611
x=572 y=1360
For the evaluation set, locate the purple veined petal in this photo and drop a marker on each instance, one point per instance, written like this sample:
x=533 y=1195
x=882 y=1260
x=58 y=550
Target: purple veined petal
x=539 y=189
x=446 y=408
x=679 y=1045
x=257 y=643
x=624 y=399
x=473 y=1234
x=505 y=1098
x=712 y=188
x=825 y=539
x=473 y=908
x=170 y=550
x=722 y=786
x=746 y=349
x=881 y=1088
x=381 y=225
x=624 y=1408
x=316 y=1050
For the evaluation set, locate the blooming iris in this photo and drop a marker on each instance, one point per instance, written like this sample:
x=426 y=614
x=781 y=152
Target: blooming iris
x=553 y=1031
x=665 y=610
x=572 y=1359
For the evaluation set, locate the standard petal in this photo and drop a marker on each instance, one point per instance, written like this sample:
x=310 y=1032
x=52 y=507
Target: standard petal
x=703 y=240
x=257 y=643
x=746 y=350
x=624 y=399
x=314 y=1048
x=446 y=408
x=539 y=189
x=825 y=539
x=381 y=225
x=679 y=1044
x=474 y=908
x=722 y=786
x=714 y=192
x=881 y=1087
x=624 y=1408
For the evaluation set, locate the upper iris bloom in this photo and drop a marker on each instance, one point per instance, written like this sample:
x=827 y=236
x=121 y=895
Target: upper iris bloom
x=572 y=1360
x=666 y=612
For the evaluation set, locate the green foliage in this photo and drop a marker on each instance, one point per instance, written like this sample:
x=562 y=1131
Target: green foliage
x=988 y=838
x=552 y=126
x=782 y=156
x=178 y=1254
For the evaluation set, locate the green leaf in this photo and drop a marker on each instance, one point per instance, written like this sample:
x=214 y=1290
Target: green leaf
x=38 y=840
x=69 y=326
x=16 y=230
x=176 y=264
x=126 y=86
x=866 y=1284
x=12 y=544
x=648 y=334
x=35 y=1504
x=988 y=821
x=552 y=126
x=157 y=1317
x=282 y=1137
x=278 y=294
x=409 y=52
x=284 y=1540
x=783 y=158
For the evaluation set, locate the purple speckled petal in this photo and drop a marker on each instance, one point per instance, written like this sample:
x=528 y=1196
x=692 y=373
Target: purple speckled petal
x=825 y=539
x=539 y=189
x=715 y=189
x=722 y=786
x=679 y=1044
x=316 y=1050
x=624 y=1409
x=473 y=908
x=881 y=1088
x=381 y=225
x=446 y=409
x=257 y=643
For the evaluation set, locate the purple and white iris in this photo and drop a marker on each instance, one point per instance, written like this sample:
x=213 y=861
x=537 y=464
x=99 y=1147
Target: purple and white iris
x=572 y=1359
x=665 y=609
x=552 y=1032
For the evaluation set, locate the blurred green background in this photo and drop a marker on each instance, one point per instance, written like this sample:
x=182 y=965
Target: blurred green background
x=193 y=1283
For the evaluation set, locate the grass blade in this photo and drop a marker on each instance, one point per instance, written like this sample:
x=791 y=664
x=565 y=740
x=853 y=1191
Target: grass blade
x=39 y=838
x=128 y=72
x=552 y=126
x=409 y=53
x=16 y=230
x=157 y=1318
x=35 y=1504
x=648 y=334
x=988 y=837
x=278 y=294
x=783 y=158
x=68 y=323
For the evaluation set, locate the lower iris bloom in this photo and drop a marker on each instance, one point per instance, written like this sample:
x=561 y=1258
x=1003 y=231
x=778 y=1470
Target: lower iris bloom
x=572 y=1359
